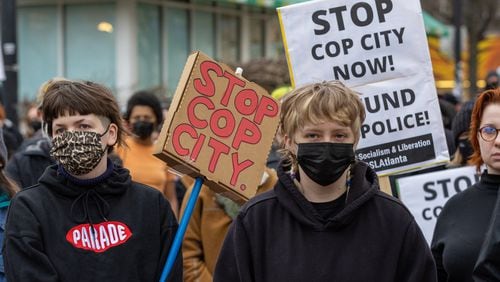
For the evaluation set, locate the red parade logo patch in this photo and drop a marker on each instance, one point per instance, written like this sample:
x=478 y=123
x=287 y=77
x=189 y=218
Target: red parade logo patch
x=104 y=236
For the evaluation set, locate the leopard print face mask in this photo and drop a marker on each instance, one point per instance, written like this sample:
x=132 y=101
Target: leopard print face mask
x=78 y=152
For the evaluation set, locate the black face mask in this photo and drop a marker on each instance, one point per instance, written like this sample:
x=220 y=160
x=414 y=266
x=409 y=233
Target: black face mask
x=35 y=125
x=143 y=129
x=465 y=149
x=325 y=162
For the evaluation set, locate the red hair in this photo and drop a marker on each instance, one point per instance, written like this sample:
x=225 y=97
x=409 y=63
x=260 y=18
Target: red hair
x=2 y=112
x=484 y=99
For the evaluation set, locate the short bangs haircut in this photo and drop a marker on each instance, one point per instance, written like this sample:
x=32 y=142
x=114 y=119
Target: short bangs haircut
x=483 y=100
x=321 y=102
x=84 y=98
x=317 y=103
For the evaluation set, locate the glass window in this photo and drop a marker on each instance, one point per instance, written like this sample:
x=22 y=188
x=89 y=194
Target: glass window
x=228 y=4
x=90 y=43
x=228 y=28
x=148 y=40
x=177 y=28
x=203 y=33
x=37 y=41
x=275 y=44
x=256 y=38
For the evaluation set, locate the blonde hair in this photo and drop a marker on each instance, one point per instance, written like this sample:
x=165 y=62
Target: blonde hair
x=316 y=103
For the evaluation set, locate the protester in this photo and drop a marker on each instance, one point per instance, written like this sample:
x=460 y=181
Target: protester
x=86 y=220
x=33 y=156
x=462 y=224
x=492 y=80
x=460 y=133
x=27 y=165
x=7 y=191
x=448 y=114
x=326 y=219
x=143 y=116
x=32 y=121
x=11 y=135
x=208 y=226
x=488 y=264
x=450 y=98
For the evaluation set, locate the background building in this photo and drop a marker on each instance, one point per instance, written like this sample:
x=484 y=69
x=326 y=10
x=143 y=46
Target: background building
x=479 y=45
x=143 y=44
x=137 y=44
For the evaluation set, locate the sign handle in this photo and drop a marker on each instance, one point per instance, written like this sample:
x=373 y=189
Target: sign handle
x=174 y=250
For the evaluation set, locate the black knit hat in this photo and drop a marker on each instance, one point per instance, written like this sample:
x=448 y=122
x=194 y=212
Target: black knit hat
x=461 y=122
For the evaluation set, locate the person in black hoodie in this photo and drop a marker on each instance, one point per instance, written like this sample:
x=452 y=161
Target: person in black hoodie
x=326 y=219
x=86 y=220
x=29 y=163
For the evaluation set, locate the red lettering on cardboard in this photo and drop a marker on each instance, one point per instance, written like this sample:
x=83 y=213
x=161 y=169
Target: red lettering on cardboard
x=232 y=81
x=176 y=138
x=206 y=85
x=197 y=147
x=247 y=132
x=238 y=168
x=225 y=130
x=240 y=102
x=191 y=113
x=267 y=107
x=218 y=117
x=218 y=148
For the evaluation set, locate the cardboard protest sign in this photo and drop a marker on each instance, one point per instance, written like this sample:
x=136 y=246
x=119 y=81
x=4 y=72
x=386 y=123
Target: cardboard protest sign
x=379 y=49
x=426 y=194
x=220 y=126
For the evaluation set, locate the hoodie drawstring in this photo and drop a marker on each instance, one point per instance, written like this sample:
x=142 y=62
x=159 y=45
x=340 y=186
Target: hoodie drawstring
x=102 y=207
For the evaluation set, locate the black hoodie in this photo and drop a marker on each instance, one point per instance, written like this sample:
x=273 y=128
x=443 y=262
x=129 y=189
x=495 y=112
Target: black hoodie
x=49 y=230
x=279 y=236
x=30 y=161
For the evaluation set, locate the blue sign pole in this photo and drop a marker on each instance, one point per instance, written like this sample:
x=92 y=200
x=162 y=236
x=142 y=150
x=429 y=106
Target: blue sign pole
x=176 y=245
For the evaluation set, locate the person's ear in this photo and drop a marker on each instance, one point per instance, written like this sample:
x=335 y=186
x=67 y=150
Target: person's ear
x=112 y=134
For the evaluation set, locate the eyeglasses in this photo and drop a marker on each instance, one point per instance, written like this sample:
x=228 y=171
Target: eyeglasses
x=488 y=133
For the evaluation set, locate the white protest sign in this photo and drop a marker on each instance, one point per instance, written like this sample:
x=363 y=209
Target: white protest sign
x=379 y=49
x=425 y=194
